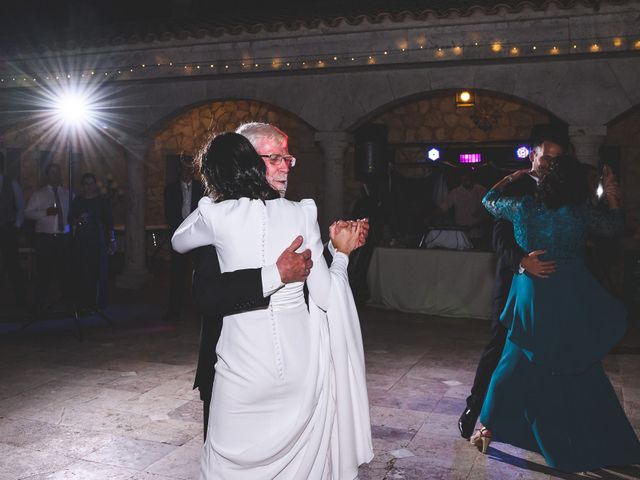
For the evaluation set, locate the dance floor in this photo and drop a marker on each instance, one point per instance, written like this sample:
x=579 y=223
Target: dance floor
x=120 y=405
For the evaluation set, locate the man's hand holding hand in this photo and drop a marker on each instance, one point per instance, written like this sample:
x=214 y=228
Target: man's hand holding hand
x=292 y=266
x=536 y=267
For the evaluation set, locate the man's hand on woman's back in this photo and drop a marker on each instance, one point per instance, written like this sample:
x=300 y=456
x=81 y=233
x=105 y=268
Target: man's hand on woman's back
x=292 y=266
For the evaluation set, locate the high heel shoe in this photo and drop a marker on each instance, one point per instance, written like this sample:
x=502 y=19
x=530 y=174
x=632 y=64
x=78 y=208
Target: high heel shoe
x=481 y=439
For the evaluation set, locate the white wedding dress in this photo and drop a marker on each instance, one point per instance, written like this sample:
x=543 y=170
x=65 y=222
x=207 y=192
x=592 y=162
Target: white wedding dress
x=289 y=399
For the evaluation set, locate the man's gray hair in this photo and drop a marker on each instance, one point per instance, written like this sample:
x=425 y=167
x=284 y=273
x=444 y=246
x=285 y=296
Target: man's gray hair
x=257 y=132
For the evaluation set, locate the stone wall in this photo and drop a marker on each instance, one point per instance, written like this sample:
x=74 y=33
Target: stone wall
x=187 y=132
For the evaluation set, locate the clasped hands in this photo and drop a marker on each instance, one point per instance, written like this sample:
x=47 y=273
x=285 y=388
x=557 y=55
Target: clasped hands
x=345 y=236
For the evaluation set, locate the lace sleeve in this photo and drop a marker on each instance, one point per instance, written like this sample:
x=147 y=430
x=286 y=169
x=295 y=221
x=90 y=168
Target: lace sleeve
x=500 y=206
x=606 y=223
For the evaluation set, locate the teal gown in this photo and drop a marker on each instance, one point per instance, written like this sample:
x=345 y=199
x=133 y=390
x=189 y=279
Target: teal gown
x=549 y=392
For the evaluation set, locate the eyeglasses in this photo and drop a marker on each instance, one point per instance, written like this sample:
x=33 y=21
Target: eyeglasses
x=276 y=159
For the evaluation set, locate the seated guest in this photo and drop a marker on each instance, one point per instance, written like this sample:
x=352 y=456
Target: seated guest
x=93 y=238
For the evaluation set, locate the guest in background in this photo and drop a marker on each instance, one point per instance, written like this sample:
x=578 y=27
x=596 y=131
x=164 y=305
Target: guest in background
x=49 y=207
x=466 y=201
x=11 y=219
x=93 y=239
x=180 y=199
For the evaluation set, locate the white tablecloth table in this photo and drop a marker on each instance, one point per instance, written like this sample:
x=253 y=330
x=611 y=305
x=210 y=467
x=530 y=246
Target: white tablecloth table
x=435 y=282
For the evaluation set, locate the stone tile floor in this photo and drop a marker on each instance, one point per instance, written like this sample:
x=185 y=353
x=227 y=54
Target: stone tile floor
x=119 y=405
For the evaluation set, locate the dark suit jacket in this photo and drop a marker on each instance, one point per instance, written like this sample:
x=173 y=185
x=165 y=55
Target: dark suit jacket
x=173 y=202
x=507 y=250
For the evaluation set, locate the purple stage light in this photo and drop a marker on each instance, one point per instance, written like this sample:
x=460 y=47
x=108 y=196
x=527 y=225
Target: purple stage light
x=470 y=158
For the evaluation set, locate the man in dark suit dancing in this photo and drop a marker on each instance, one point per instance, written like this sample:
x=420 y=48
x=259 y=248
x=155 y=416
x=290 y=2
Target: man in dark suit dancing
x=180 y=199
x=219 y=294
x=547 y=142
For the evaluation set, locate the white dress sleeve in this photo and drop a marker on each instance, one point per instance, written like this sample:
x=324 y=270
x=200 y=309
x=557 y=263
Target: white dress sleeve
x=319 y=279
x=196 y=230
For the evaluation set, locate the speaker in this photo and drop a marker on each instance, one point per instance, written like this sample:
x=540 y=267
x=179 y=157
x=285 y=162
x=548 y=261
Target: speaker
x=371 y=152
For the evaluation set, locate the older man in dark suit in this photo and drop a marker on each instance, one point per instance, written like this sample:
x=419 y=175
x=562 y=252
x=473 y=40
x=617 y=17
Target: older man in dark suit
x=180 y=199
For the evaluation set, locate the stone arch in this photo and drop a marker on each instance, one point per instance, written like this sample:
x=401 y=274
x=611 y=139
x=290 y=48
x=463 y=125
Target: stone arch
x=186 y=131
x=432 y=117
x=484 y=97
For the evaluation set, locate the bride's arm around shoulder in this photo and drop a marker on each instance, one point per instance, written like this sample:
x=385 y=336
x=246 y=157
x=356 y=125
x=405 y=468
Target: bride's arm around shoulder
x=197 y=230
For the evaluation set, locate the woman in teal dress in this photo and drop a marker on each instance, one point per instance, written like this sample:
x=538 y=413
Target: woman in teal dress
x=549 y=392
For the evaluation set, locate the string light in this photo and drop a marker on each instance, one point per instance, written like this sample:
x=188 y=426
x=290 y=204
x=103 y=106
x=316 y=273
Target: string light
x=439 y=52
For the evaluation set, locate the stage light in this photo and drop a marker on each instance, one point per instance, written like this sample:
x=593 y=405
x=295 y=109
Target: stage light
x=433 y=154
x=470 y=158
x=72 y=108
x=522 y=152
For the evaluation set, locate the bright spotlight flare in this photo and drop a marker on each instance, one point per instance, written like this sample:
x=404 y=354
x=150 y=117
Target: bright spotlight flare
x=74 y=109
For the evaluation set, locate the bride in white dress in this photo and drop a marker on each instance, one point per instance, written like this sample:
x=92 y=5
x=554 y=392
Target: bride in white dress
x=289 y=399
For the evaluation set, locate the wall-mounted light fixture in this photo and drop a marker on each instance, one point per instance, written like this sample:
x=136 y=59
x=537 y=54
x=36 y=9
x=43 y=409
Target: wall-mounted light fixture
x=465 y=98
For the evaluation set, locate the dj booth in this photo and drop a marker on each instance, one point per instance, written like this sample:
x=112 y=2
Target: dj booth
x=441 y=282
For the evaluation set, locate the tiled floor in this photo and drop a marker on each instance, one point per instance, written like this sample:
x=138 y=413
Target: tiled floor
x=120 y=406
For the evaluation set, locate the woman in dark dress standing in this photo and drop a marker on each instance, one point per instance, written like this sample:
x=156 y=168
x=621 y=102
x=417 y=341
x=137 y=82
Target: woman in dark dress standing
x=549 y=392
x=93 y=239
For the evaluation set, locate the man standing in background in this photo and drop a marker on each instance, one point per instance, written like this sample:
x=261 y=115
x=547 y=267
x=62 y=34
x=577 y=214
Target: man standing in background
x=180 y=199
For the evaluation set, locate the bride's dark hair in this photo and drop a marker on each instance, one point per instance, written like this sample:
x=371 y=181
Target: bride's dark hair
x=231 y=169
x=565 y=183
